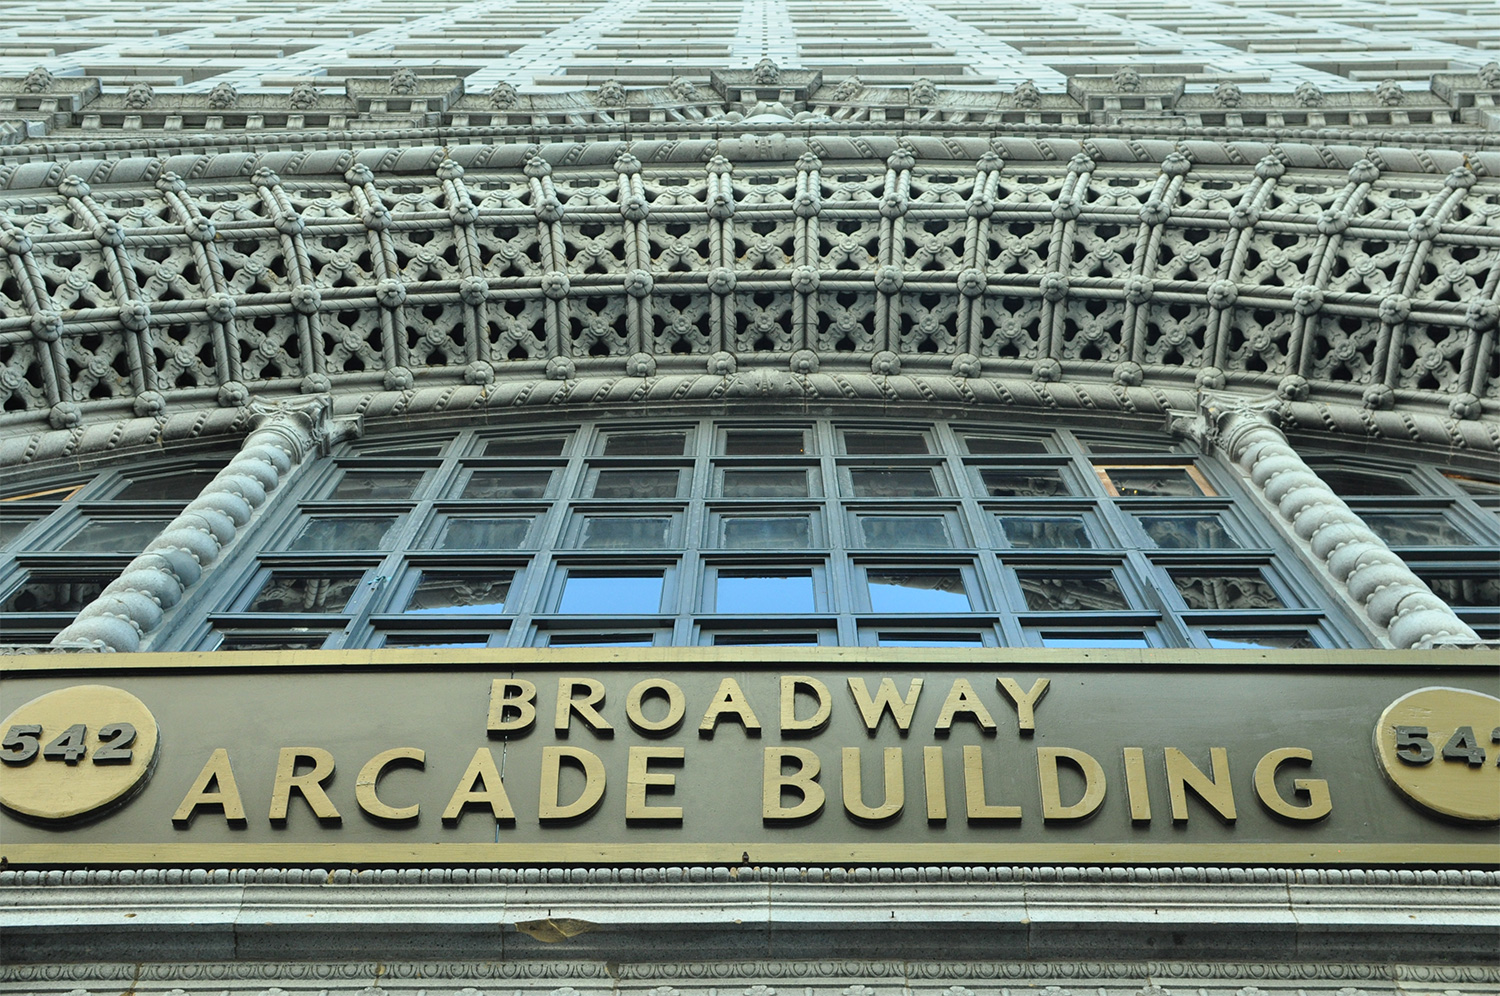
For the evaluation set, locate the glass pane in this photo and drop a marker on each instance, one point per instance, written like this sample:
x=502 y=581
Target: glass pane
x=63 y=493
x=1023 y=483
x=301 y=593
x=32 y=635
x=1003 y=445
x=12 y=526
x=485 y=534
x=644 y=443
x=611 y=594
x=261 y=641
x=885 y=442
x=892 y=482
x=749 y=443
x=781 y=532
x=182 y=486
x=115 y=535
x=1473 y=485
x=1124 y=641
x=344 y=534
x=930 y=640
x=1226 y=589
x=401 y=449
x=765 y=484
x=525 y=446
x=1415 y=529
x=1107 y=444
x=1187 y=532
x=765 y=639
x=461 y=593
x=1043 y=532
x=376 y=484
x=55 y=595
x=601 y=640
x=429 y=640
x=1153 y=482
x=619 y=532
x=1353 y=483
x=764 y=594
x=1465 y=590
x=636 y=484
x=904 y=532
x=507 y=484
x=1275 y=640
x=917 y=591
x=1071 y=592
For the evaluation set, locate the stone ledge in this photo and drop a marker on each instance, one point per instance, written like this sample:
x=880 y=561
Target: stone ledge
x=621 y=922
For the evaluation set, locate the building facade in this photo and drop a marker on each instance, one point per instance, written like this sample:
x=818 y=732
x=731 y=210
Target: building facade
x=352 y=353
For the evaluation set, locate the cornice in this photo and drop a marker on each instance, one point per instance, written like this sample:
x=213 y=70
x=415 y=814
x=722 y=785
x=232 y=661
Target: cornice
x=994 y=924
x=54 y=113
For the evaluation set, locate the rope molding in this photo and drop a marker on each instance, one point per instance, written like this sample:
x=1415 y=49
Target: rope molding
x=99 y=439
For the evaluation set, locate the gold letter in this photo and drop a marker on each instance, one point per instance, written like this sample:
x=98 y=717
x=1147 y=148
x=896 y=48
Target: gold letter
x=729 y=699
x=512 y=693
x=886 y=698
x=963 y=699
x=895 y=786
x=226 y=794
x=675 y=706
x=1183 y=774
x=593 y=783
x=566 y=705
x=1093 y=783
x=309 y=784
x=1319 y=802
x=790 y=684
x=639 y=776
x=1135 y=785
x=937 y=784
x=480 y=784
x=1025 y=702
x=803 y=781
x=974 y=790
x=364 y=783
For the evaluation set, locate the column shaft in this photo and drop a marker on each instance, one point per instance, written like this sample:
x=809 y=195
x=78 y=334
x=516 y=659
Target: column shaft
x=132 y=606
x=1375 y=579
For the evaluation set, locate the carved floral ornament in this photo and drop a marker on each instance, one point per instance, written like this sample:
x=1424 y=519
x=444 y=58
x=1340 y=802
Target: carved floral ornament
x=1117 y=323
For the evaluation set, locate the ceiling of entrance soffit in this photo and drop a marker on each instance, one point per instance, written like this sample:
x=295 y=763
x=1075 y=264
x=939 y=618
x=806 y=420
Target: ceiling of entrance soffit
x=1126 y=275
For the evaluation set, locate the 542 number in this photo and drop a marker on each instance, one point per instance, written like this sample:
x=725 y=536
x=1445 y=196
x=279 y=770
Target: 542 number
x=23 y=742
x=1414 y=747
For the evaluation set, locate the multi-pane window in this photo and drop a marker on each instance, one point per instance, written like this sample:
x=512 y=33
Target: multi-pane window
x=1444 y=523
x=737 y=532
x=63 y=541
x=748 y=532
